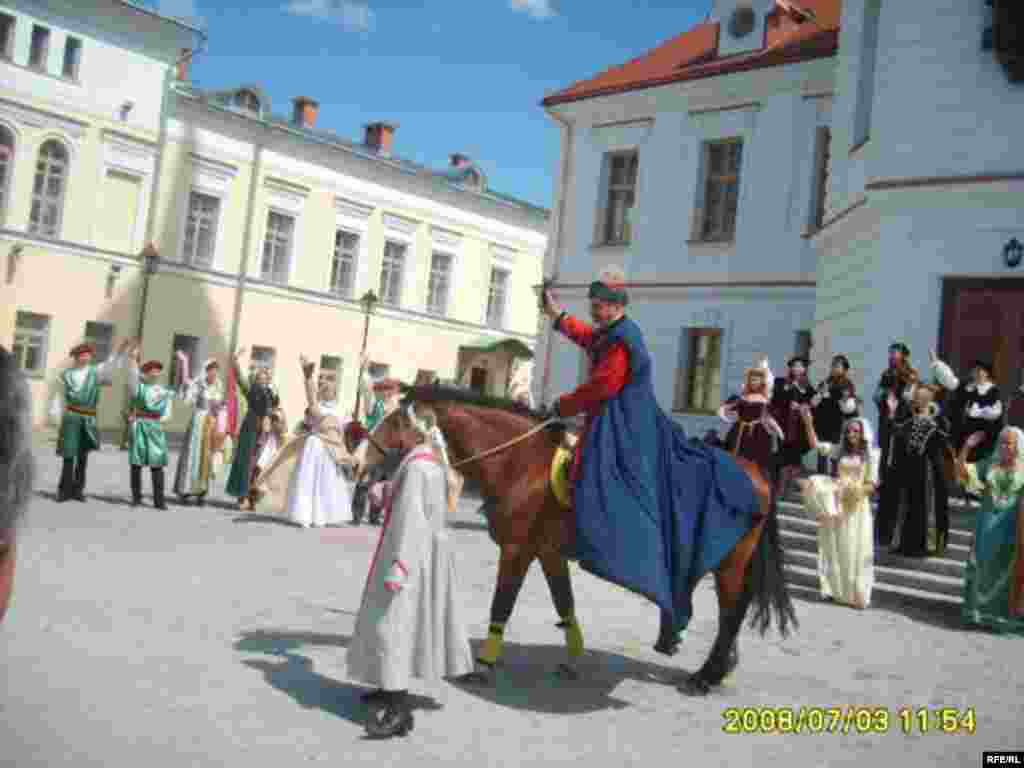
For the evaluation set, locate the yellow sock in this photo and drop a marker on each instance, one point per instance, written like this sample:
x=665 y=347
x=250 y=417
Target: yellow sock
x=493 y=645
x=573 y=636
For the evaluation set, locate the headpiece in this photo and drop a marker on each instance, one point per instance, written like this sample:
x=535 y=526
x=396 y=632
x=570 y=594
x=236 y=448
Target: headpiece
x=609 y=290
x=798 y=359
x=151 y=366
x=900 y=347
x=843 y=360
x=82 y=349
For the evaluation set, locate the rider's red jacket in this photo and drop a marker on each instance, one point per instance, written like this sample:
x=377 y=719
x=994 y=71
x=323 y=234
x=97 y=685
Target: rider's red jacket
x=609 y=373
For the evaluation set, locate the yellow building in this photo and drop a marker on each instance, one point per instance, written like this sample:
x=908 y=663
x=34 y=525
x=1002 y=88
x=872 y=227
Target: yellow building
x=266 y=232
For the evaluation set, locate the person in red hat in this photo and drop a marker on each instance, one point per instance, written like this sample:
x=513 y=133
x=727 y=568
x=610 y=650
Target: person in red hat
x=151 y=406
x=75 y=406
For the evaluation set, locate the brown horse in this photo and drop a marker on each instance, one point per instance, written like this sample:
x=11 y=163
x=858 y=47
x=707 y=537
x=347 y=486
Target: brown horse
x=528 y=523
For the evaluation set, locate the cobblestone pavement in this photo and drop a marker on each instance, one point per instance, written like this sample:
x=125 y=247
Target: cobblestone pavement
x=202 y=637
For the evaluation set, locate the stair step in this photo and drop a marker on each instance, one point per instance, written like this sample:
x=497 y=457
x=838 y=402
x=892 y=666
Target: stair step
x=924 y=581
x=882 y=592
x=952 y=566
x=793 y=517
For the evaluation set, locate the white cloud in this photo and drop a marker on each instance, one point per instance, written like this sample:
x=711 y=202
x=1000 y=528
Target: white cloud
x=181 y=9
x=347 y=13
x=539 y=9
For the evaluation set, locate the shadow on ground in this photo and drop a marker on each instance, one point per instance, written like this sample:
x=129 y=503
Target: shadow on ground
x=941 y=615
x=527 y=678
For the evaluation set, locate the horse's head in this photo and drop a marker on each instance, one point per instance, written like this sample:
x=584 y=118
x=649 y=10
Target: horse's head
x=396 y=434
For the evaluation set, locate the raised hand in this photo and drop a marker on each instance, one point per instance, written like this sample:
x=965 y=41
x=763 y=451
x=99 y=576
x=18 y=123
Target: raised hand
x=932 y=357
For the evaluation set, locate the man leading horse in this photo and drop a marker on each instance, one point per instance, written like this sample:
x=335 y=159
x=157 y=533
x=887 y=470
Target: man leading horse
x=654 y=511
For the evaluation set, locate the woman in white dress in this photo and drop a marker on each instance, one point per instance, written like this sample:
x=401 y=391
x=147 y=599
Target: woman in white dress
x=318 y=492
x=842 y=506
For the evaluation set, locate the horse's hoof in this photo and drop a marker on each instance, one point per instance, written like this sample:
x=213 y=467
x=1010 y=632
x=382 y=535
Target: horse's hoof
x=694 y=685
x=670 y=648
x=567 y=672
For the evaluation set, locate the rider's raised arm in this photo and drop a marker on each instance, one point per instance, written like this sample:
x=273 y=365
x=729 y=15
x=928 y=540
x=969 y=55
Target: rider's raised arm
x=606 y=380
x=574 y=329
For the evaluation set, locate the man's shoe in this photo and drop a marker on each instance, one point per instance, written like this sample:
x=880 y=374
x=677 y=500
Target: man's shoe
x=388 y=721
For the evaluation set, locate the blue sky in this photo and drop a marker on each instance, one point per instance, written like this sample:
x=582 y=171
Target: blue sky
x=455 y=75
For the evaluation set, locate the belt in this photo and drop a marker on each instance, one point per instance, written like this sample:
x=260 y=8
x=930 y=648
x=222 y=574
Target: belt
x=81 y=411
x=151 y=415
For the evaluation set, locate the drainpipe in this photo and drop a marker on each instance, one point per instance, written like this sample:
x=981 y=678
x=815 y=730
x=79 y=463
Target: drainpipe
x=556 y=246
x=250 y=215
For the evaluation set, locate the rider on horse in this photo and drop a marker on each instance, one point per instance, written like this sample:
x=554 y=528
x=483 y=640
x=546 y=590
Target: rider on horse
x=655 y=511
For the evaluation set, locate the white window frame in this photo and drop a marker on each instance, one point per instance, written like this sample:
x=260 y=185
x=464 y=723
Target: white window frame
x=701 y=207
x=354 y=217
x=64 y=187
x=685 y=371
x=208 y=177
x=356 y=261
x=291 y=247
x=408 y=246
x=285 y=200
x=604 y=203
x=43 y=336
x=190 y=259
x=446 y=310
x=131 y=158
x=8 y=185
x=44 y=66
x=504 y=320
x=193 y=350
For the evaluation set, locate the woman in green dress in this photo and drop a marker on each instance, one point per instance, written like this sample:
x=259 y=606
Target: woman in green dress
x=994 y=577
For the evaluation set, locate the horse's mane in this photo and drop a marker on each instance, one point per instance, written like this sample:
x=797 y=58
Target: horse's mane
x=436 y=393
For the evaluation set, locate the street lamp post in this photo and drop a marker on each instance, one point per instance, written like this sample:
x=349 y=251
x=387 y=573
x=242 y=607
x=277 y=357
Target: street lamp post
x=369 y=301
x=150 y=257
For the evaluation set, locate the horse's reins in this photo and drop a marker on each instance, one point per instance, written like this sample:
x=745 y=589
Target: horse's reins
x=507 y=444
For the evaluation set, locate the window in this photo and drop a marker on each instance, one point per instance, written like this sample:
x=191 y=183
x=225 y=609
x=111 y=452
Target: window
x=698 y=385
x=819 y=187
x=378 y=371
x=190 y=346
x=391 y=273
x=7 y=25
x=201 y=230
x=115 y=230
x=6 y=166
x=262 y=357
x=439 y=283
x=31 y=341
x=48 y=191
x=277 y=247
x=343 y=268
x=72 y=57
x=39 y=51
x=802 y=348
x=248 y=100
x=620 y=174
x=866 y=78
x=721 y=189
x=497 y=295
x=100 y=335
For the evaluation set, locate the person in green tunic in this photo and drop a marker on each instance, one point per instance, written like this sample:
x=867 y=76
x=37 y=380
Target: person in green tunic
x=994 y=577
x=147 y=445
x=75 y=403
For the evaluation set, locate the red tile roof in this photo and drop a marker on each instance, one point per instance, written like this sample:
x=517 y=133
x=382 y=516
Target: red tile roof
x=693 y=54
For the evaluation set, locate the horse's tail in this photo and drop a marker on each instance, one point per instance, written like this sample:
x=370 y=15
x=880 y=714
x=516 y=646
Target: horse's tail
x=766 y=580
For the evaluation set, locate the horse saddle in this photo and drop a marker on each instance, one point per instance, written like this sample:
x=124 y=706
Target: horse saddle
x=561 y=465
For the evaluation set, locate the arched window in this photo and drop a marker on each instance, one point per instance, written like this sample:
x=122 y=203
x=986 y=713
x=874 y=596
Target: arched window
x=48 y=190
x=6 y=166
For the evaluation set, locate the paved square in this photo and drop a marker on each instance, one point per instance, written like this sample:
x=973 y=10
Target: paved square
x=205 y=637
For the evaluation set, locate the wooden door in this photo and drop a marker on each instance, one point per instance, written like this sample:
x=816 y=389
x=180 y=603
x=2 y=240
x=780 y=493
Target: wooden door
x=984 y=319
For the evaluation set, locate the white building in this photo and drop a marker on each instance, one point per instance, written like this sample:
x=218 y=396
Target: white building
x=926 y=188
x=699 y=168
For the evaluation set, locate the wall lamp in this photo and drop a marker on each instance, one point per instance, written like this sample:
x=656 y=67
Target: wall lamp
x=13 y=260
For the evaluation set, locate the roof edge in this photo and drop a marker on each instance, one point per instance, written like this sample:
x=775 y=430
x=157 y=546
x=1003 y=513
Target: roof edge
x=135 y=6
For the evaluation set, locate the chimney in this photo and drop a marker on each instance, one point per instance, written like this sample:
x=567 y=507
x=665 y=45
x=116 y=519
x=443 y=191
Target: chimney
x=459 y=160
x=304 y=112
x=184 y=59
x=380 y=137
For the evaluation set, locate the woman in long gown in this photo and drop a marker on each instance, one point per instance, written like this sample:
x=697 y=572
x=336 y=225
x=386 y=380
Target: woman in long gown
x=842 y=505
x=261 y=400
x=202 y=454
x=315 y=462
x=754 y=434
x=994 y=577
x=914 y=508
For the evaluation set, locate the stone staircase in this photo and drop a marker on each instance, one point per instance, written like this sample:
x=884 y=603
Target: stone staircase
x=930 y=583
